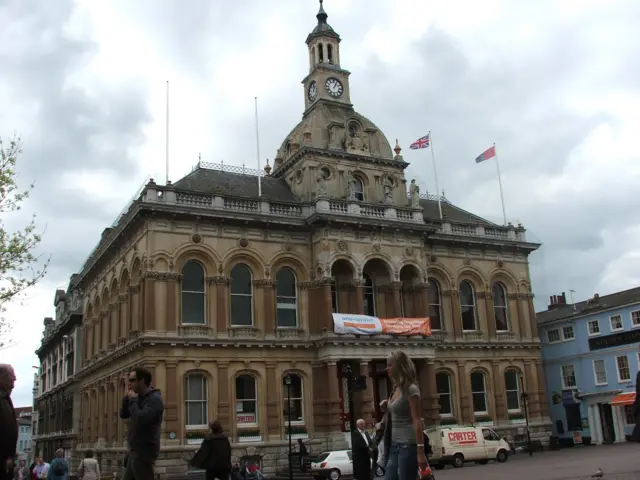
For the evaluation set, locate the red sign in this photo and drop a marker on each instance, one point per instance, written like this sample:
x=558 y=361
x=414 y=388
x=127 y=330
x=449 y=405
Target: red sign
x=246 y=418
x=463 y=438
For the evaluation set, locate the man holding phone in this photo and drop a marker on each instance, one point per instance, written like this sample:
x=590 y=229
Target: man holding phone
x=143 y=407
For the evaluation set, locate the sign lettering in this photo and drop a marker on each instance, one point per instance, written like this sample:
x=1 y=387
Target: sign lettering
x=366 y=325
x=463 y=437
x=614 y=340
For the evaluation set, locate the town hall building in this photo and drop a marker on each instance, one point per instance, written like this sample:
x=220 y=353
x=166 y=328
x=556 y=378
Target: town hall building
x=224 y=287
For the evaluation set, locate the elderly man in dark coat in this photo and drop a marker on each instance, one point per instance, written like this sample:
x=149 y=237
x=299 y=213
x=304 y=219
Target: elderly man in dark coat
x=8 y=422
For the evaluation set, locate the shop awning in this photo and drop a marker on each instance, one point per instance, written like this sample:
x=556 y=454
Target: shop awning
x=624 y=399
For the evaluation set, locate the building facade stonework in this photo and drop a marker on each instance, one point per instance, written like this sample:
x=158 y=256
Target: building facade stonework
x=222 y=287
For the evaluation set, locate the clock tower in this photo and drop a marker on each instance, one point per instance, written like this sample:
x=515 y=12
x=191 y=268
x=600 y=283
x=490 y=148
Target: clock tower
x=326 y=81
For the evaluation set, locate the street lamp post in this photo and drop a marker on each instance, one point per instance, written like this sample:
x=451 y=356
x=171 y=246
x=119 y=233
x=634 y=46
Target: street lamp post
x=525 y=400
x=287 y=382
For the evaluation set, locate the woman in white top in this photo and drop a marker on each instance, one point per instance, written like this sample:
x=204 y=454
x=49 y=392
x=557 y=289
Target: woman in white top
x=89 y=468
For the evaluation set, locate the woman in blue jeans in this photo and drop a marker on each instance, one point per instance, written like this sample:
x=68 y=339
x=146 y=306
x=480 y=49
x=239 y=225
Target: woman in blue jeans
x=403 y=436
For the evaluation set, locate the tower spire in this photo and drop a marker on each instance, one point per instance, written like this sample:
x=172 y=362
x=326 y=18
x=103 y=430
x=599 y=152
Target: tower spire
x=322 y=15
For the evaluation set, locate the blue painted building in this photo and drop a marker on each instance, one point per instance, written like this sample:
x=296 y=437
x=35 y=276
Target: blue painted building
x=591 y=356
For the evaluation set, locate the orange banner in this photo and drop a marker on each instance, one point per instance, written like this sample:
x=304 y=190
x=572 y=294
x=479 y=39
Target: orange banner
x=406 y=326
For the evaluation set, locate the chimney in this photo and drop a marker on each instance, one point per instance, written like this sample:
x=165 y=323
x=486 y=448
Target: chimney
x=557 y=301
x=563 y=299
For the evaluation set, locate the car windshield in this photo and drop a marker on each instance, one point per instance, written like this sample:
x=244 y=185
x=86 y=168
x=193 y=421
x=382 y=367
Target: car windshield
x=322 y=457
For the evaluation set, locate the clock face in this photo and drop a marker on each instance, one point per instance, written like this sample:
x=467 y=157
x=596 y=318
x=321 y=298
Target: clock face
x=313 y=91
x=334 y=87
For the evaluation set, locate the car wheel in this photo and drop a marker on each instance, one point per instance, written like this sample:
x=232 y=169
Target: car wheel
x=334 y=474
x=458 y=460
x=502 y=456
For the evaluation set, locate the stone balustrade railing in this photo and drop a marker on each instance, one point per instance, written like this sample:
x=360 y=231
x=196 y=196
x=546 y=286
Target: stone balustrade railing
x=170 y=196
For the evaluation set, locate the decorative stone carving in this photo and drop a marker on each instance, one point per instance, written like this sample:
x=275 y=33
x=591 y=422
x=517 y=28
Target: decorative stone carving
x=196 y=238
x=409 y=251
x=499 y=263
x=387 y=185
x=335 y=136
x=466 y=261
x=414 y=191
x=288 y=247
x=163 y=276
x=433 y=258
x=321 y=184
x=243 y=242
x=357 y=142
x=351 y=186
x=267 y=271
x=220 y=269
x=342 y=246
x=377 y=248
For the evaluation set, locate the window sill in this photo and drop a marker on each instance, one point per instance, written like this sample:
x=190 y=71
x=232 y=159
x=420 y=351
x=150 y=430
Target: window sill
x=617 y=329
x=602 y=384
x=624 y=381
x=257 y=438
x=196 y=428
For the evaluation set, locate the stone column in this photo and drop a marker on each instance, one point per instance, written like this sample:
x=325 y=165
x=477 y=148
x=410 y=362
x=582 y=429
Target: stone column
x=269 y=304
x=326 y=306
x=358 y=299
x=104 y=330
x=396 y=288
x=149 y=302
x=454 y=297
x=499 y=393
x=522 y=317
x=222 y=304
x=273 y=402
x=532 y=317
x=421 y=299
x=542 y=393
x=491 y=315
x=224 y=411
x=466 y=405
x=134 y=296
x=113 y=325
x=532 y=388
x=335 y=408
x=320 y=396
x=172 y=385
x=429 y=392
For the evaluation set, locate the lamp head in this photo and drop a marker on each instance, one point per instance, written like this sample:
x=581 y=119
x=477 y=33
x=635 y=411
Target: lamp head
x=287 y=380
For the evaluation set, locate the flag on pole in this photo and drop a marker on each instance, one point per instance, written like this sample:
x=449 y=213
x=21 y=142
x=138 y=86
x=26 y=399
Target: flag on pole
x=486 y=155
x=422 y=142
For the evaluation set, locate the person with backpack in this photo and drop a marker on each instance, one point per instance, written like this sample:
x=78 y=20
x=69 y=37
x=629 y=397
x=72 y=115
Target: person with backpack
x=59 y=467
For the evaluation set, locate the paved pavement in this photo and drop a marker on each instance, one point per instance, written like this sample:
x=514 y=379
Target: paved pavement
x=618 y=462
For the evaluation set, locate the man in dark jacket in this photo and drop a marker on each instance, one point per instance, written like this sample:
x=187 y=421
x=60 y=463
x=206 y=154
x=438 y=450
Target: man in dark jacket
x=8 y=422
x=143 y=406
x=635 y=435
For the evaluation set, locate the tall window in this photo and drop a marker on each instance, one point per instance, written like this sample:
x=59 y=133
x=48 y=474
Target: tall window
x=246 y=401
x=297 y=405
x=467 y=306
x=195 y=388
x=600 y=372
x=70 y=357
x=624 y=372
x=443 y=387
x=334 y=296
x=500 y=307
x=241 y=297
x=193 y=297
x=369 y=296
x=435 y=305
x=512 y=387
x=358 y=189
x=286 y=299
x=568 y=376
x=478 y=393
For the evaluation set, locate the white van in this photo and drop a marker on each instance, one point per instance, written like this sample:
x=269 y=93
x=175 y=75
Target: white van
x=457 y=445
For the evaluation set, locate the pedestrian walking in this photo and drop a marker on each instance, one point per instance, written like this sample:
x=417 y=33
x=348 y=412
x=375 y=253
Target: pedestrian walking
x=89 y=468
x=635 y=434
x=143 y=407
x=59 y=467
x=403 y=436
x=8 y=423
x=214 y=454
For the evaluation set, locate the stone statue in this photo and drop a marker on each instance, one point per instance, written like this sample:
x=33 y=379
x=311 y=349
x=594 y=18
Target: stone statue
x=414 y=192
x=356 y=142
x=321 y=184
x=335 y=139
x=388 y=190
x=351 y=186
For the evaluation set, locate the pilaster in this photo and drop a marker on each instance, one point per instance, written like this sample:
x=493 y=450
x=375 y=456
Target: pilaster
x=453 y=297
x=274 y=427
x=223 y=396
x=491 y=314
x=268 y=288
x=466 y=409
x=499 y=393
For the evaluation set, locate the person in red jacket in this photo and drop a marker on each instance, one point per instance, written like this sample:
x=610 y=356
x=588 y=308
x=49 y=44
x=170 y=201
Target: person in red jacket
x=8 y=422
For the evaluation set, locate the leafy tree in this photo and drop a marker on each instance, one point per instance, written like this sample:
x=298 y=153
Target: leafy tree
x=20 y=267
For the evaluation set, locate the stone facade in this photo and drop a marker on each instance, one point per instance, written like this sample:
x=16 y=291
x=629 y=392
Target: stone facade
x=223 y=287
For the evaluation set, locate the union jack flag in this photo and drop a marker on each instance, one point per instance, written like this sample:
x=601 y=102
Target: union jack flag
x=422 y=142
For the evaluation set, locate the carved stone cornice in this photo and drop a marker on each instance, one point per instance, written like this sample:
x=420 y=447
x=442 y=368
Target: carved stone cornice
x=102 y=315
x=315 y=283
x=163 y=276
x=218 y=280
x=264 y=283
x=486 y=294
x=113 y=307
x=451 y=293
x=123 y=297
x=513 y=296
x=133 y=289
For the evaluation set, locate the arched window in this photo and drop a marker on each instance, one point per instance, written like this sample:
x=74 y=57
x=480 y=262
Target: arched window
x=500 y=307
x=241 y=297
x=478 y=393
x=286 y=299
x=435 y=304
x=246 y=405
x=320 y=53
x=294 y=394
x=369 y=296
x=358 y=190
x=512 y=387
x=196 y=398
x=443 y=387
x=193 y=297
x=334 y=296
x=330 y=53
x=468 y=306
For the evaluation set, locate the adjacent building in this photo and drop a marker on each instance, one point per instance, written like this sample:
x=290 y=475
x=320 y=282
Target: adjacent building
x=591 y=354
x=223 y=284
x=57 y=399
x=24 y=447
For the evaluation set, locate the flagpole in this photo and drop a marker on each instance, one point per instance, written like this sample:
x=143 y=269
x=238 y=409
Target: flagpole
x=504 y=212
x=258 y=149
x=166 y=133
x=435 y=173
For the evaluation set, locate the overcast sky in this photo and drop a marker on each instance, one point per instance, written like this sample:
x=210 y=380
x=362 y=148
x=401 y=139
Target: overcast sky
x=555 y=84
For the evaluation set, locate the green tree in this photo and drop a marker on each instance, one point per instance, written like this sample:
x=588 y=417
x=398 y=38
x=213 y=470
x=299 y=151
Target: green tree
x=20 y=267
